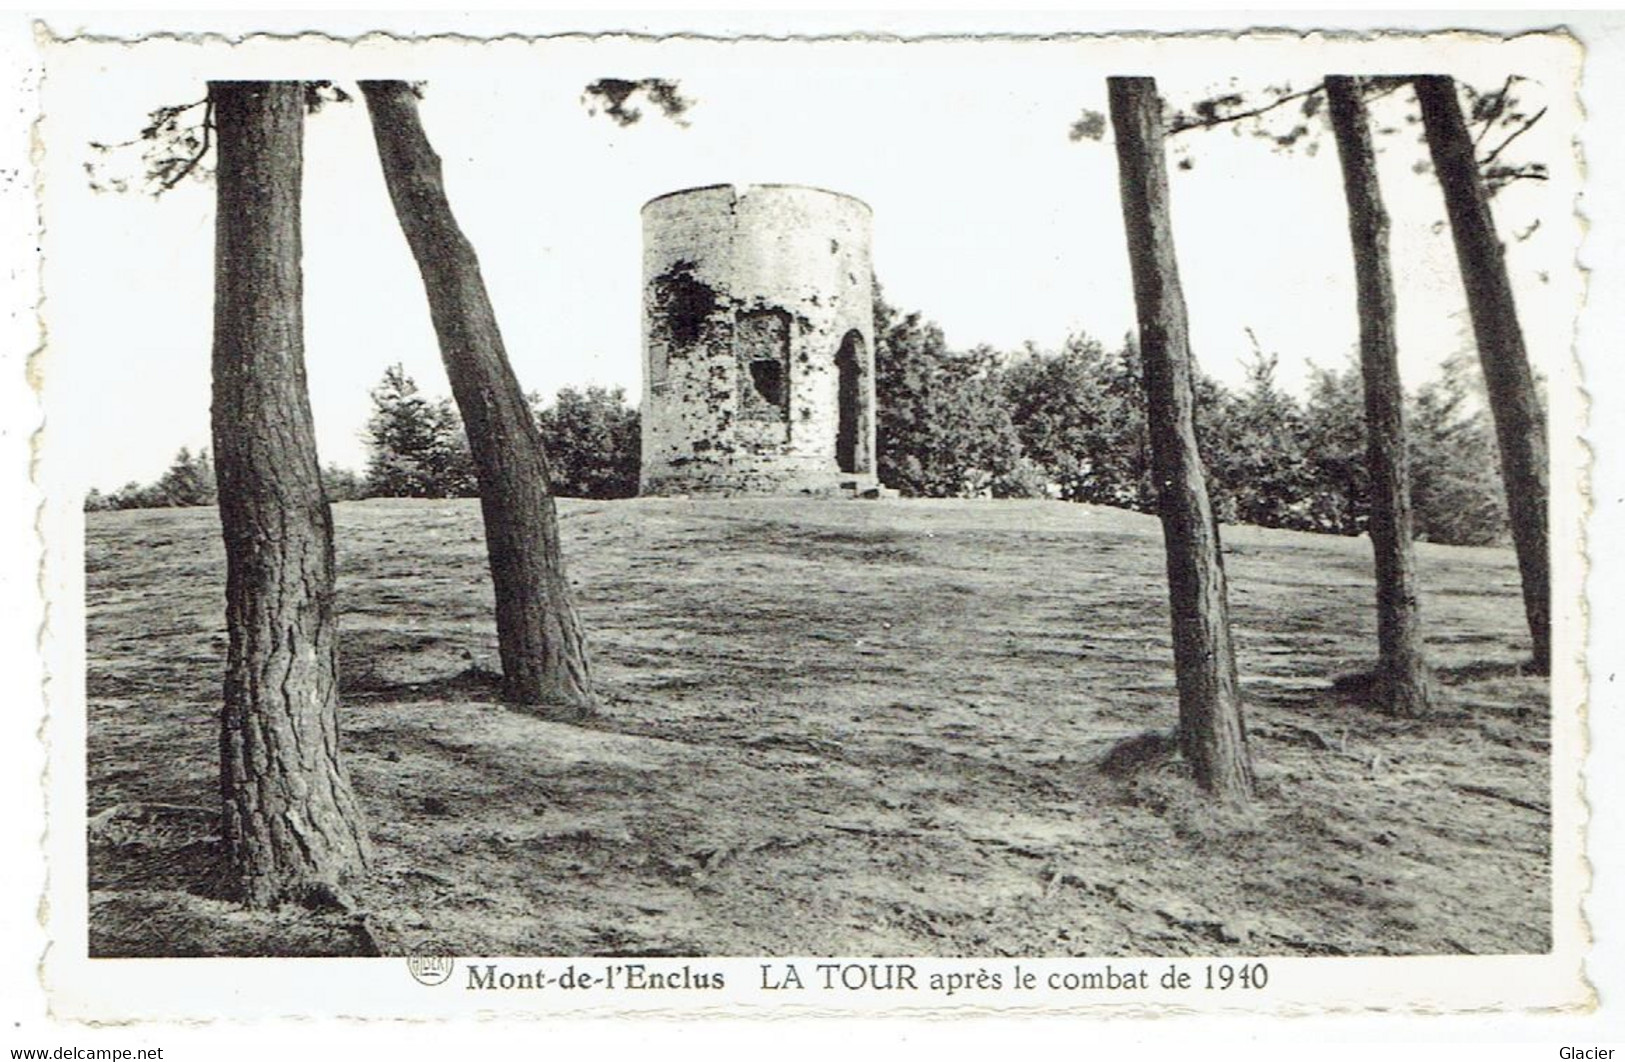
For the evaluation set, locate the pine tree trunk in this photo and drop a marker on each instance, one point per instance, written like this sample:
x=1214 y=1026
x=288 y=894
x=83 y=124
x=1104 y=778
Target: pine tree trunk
x=544 y=653
x=1520 y=423
x=1403 y=685
x=293 y=827
x=1213 y=736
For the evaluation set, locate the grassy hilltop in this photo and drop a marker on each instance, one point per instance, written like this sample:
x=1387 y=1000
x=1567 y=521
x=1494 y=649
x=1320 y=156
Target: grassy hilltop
x=836 y=727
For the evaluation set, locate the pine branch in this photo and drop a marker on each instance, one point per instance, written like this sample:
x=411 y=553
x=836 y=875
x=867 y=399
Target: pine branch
x=1495 y=111
x=188 y=165
x=156 y=121
x=1209 y=123
x=1485 y=162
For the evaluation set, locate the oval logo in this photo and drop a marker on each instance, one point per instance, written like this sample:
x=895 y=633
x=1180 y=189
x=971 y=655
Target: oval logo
x=431 y=962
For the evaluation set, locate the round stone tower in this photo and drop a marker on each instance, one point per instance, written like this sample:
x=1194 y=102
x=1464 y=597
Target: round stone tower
x=758 y=342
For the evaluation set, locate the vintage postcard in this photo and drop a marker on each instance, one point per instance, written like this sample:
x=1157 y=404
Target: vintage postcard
x=730 y=523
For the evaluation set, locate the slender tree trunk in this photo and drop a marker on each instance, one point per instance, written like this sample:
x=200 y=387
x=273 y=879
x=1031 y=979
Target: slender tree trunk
x=1520 y=423
x=1403 y=684
x=1212 y=733
x=291 y=823
x=544 y=653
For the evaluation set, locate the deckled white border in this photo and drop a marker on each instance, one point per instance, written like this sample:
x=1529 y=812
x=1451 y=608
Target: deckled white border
x=119 y=990
x=1557 y=768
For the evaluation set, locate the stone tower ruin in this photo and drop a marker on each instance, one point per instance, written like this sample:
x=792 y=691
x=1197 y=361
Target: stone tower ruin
x=758 y=342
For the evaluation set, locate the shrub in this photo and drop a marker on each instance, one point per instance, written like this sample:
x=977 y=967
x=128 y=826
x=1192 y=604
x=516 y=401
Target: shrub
x=944 y=429
x=1456 y=492
x=342 y=484
x=593 y=443
x=416 y=448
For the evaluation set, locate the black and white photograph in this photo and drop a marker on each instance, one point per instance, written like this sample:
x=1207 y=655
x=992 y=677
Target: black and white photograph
x=842 y=521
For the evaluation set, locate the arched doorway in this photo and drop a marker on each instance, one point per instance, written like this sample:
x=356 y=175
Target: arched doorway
x=852 y=421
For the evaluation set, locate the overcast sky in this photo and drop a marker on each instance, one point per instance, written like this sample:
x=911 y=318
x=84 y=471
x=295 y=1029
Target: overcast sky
x=988 y=218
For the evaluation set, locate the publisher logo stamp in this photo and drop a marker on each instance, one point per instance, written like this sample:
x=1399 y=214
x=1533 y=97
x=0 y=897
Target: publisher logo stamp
x=431 y=962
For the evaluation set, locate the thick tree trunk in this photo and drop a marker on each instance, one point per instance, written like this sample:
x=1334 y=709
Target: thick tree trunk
x=1213 y=736
x=291 y=823
x=544 y=653
x=1403 y=683
x=1520 y=423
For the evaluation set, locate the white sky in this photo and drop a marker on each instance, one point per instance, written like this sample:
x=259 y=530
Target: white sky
x=987 y=217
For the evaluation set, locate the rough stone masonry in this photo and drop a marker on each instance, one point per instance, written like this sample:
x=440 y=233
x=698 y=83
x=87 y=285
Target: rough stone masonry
x=758 y=337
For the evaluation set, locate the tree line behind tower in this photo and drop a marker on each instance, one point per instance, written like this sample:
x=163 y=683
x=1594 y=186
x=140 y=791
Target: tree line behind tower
x=1031 y=423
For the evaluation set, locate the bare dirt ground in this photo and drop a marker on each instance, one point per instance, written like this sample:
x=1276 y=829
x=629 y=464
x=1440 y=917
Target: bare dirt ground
x=836 y=728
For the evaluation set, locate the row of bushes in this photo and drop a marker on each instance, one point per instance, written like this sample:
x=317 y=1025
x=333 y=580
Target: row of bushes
x=189 y=481
x=1071 y=424
x=417 y=449
x=1068 y=424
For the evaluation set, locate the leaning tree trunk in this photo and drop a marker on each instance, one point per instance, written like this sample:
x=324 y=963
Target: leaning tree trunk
x=292 y=826
x=1213 y=736
x=1520 y=423
x=1403 y=684
x=544 y=654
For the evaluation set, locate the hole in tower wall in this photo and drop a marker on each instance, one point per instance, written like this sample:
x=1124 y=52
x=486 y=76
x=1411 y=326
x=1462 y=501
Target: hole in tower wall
x=682 y=305
x=762 y=343
x=768 y=378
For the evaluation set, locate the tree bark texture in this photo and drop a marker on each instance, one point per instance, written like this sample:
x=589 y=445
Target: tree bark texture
x=544 y=652
x=1404 y=685
x=291 y=823
x=1520 y=423
x=1213 y=735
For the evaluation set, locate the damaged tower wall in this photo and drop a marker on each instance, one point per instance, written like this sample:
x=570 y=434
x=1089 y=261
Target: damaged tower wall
x=758 y=329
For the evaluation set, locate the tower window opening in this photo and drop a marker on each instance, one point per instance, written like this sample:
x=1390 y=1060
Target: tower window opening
x=762 y=345
x=768 y=377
